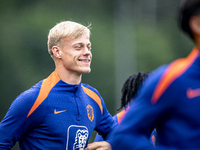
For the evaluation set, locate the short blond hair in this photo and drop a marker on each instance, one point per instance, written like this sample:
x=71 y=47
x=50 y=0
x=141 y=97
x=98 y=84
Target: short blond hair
x=65 y=29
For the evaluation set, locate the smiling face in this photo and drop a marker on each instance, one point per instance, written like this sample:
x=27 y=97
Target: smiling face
x=75 y=55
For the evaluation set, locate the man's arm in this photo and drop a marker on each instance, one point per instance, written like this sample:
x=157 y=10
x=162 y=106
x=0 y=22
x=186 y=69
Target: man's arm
x=15 y=123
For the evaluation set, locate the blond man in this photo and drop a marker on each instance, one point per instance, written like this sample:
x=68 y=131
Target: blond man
x=59 y=112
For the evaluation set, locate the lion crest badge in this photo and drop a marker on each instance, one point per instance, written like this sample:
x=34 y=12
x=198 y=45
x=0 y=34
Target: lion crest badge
x=90 y=113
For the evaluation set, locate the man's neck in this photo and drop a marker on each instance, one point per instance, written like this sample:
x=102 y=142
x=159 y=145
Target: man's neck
x=68 y=77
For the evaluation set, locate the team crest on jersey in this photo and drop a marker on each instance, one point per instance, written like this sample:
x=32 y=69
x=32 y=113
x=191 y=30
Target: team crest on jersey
x=77 y=137
x=80 y=140
x=90 y=112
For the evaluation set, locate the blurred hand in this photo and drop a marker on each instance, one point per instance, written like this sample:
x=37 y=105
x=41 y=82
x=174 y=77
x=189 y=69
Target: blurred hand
x=99 y=146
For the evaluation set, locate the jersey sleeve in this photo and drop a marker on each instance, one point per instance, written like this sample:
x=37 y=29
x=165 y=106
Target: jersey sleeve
x=106 y=123
x=15 y=123
x=98 y=137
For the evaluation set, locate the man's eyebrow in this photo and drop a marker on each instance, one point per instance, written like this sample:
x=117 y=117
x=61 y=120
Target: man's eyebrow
x=81 y=43
x=89 y=44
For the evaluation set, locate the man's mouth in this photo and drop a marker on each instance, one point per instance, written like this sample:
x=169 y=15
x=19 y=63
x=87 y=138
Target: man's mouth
x=84 y=60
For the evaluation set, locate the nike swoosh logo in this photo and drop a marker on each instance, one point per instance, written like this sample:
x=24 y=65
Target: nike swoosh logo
x=57 y=112
x=192 y=93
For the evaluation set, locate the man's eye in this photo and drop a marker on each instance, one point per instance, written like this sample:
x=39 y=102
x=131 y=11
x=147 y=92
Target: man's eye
x=77 y=47
x=89 y=47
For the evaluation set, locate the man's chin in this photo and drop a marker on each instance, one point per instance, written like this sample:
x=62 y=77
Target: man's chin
x=86 y=71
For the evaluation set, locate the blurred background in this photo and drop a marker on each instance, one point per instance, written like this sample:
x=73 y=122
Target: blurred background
x=127 y=36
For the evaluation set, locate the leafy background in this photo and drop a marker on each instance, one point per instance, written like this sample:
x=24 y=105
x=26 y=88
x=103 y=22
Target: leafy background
x=127 y=37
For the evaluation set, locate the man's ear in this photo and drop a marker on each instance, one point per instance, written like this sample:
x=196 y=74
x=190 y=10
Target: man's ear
x=56 y=52
x=195 y=24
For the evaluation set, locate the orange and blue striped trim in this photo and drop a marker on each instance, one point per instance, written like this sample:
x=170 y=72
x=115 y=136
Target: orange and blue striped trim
x=94 y=96
x=121 y=115
x=46 y=87
x=173 y=71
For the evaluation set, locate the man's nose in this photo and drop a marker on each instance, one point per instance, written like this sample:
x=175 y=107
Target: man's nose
x=86 y=50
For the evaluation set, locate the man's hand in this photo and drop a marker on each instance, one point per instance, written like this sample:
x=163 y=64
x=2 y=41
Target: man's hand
x=99 y=146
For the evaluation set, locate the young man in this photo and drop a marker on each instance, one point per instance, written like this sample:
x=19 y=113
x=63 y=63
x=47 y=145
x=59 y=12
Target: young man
x=59 y=112
x=169 y=100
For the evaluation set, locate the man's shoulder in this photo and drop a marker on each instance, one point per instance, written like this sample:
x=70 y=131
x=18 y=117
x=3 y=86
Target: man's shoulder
x=90 y=87
x=30 y=94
